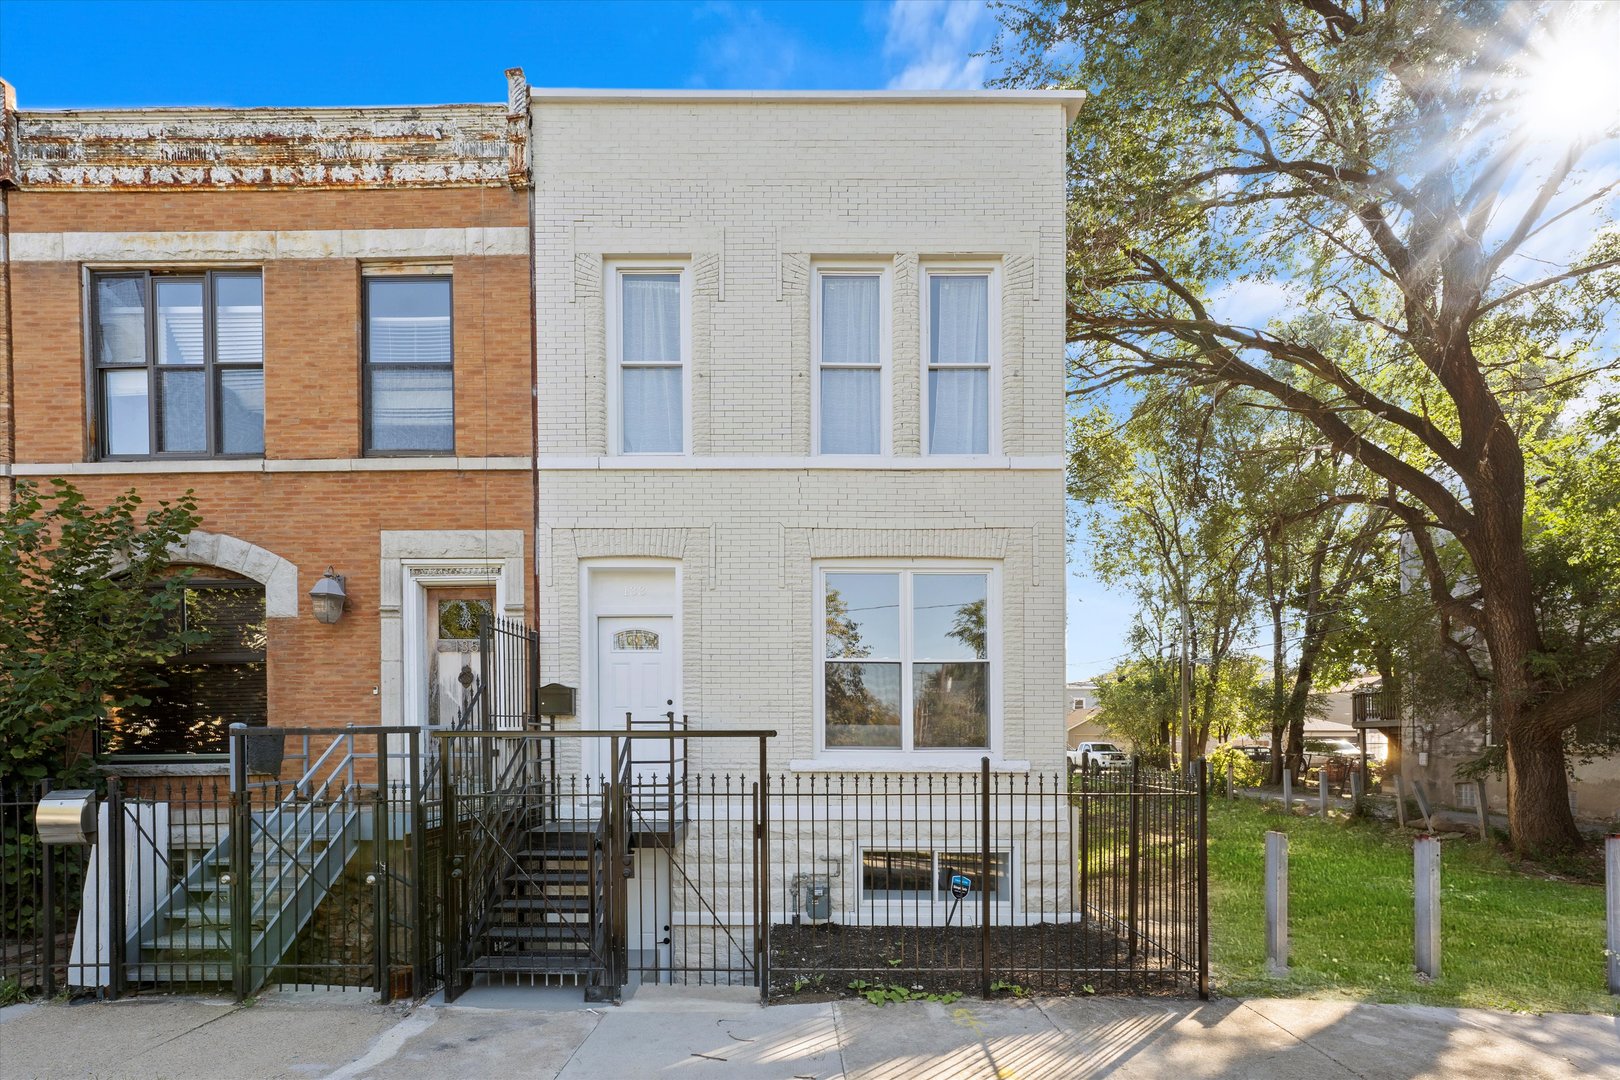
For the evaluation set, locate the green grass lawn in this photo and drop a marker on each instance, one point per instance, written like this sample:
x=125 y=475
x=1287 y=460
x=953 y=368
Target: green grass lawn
x=1508 y=940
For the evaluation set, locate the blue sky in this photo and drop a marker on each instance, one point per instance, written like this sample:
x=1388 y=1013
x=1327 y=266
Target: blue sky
x=83 y=55
x=61 y=54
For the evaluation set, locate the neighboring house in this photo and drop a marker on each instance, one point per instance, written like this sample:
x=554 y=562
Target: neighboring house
x=1433 y=746
x=318 y=320
x=1082 y=720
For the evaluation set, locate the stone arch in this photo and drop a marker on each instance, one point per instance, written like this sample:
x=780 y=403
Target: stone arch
x=278 y=576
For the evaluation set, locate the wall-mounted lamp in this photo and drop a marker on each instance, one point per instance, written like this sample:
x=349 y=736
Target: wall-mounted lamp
x=328 y=598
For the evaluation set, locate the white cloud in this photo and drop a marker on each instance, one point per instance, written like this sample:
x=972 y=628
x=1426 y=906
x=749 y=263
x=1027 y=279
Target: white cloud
x=932 y=42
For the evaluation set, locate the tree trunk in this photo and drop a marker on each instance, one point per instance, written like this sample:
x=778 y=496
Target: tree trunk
x=1539 y=819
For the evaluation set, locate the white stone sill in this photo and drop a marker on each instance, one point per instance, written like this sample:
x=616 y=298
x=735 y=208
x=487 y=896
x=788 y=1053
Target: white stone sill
x=665 y=462
x=904 y=764
x=275 y=465
x=159 y=768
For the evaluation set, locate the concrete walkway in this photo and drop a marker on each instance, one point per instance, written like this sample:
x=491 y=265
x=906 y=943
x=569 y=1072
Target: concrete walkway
x=720 y=1033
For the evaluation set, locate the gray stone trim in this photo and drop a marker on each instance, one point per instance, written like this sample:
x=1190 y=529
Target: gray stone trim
x=278 y=576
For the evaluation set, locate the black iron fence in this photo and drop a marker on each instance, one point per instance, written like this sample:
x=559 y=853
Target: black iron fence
x=984 y=881
x=374 y=859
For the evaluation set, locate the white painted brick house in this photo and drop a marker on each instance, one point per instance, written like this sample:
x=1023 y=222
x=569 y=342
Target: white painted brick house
x=742 y=409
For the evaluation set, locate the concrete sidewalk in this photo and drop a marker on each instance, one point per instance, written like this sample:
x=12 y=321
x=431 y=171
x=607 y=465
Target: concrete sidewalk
x=721 y=1033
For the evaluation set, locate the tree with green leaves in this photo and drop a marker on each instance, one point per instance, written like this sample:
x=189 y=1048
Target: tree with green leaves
x=90 y=604
x=1402 y=174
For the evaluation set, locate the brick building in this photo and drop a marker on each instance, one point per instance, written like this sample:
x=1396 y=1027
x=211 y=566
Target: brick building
x=318 y=320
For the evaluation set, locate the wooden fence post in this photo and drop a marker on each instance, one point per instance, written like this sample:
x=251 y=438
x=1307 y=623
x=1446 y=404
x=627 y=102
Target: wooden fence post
x=1479 y=808
x=1277 y=902
x=1322 y=793
x=1611 y=862
x=1288 y=791
x=1400 y=800
x=1426 y=928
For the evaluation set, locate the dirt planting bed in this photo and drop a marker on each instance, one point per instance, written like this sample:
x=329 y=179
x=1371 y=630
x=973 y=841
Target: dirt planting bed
x=1047 y=958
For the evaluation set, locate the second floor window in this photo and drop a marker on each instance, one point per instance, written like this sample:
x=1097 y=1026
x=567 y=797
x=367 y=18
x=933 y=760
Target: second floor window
x=178 y=363
x=849 y=360
x=961 y=352
x=409 y=388
x=650 y=345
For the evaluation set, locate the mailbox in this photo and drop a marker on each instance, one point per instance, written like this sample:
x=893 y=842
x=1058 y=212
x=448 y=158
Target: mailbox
x=66 y=817
x=556 y=700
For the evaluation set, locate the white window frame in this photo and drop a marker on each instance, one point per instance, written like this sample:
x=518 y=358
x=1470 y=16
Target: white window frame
x=906 y=753
x=855 y=268
x=932 y=910
x=615 y=273
x=930 y=270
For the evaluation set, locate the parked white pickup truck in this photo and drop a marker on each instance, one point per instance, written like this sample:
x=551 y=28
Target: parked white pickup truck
x=1102 y=755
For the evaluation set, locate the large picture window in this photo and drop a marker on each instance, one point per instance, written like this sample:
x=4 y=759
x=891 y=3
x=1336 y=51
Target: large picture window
x=410 y=400
x=215 y=683
x=178 y=363
x=849 y=322
x=961 y=328
x=906 y=659
x=650 y=344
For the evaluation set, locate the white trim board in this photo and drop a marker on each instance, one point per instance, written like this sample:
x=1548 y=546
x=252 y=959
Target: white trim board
x=252 y=245
x=931 y=463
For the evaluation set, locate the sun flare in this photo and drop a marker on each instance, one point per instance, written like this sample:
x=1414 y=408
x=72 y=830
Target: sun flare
x=1571 y=82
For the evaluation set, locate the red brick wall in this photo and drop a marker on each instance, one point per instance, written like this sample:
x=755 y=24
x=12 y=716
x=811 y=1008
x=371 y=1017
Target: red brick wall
x=318 y=674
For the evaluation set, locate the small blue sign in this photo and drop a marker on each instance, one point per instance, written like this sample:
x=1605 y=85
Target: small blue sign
x=961 y=885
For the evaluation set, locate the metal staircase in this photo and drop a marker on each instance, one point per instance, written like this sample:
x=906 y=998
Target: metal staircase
x=542 y=924
x=287 y=859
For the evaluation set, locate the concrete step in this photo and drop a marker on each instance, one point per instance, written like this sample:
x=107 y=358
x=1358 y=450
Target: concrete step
x=190 y=971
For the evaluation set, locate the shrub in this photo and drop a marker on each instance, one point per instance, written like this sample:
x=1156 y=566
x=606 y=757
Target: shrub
x=1246 y=772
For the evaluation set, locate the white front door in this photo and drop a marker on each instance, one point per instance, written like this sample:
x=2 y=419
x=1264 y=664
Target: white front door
x=636 y=678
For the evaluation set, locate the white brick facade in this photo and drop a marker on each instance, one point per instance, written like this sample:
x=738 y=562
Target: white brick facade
x=749 y=193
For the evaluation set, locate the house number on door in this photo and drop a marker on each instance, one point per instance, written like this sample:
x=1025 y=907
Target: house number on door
x=635 y=590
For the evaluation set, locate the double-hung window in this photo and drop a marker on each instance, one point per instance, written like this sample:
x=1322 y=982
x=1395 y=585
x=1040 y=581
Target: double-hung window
x=849 y=334
x=651 y=346
x=962 y=329
x=409 y=388
x=178 y=363
x=906 y=658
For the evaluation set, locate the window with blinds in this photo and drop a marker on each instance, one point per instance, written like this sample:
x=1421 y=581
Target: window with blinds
x=177 y=364
x=409 y=351
x=214 y=683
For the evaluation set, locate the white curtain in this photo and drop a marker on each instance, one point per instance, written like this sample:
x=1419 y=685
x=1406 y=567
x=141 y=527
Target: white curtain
x=959 y=319
x=959 y=411
x=652 y=318
x=851 y=411
x=849 y=319
x=652 y=410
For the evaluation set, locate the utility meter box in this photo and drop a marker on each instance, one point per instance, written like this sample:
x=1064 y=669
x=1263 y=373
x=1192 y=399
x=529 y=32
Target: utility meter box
x=818 y=902
x=66 y=817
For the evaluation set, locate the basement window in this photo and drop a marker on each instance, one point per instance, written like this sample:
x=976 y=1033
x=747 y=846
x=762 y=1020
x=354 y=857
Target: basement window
x=889 y=876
